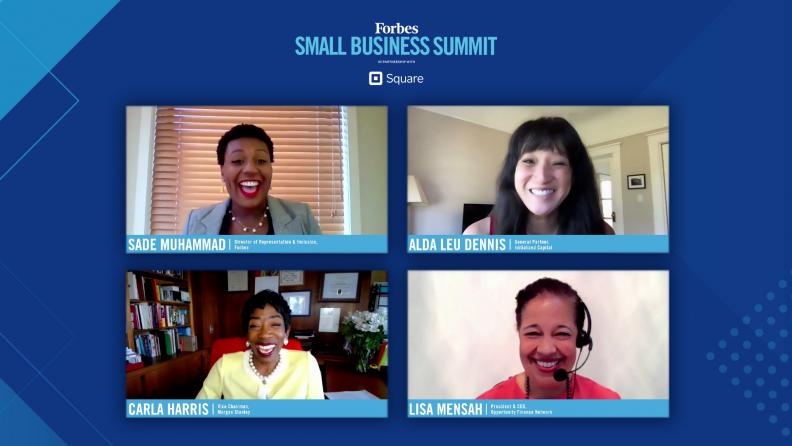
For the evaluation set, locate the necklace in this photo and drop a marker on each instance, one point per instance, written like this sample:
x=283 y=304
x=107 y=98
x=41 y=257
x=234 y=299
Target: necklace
x=252 y=370
x=250 y=228
x=528 y=389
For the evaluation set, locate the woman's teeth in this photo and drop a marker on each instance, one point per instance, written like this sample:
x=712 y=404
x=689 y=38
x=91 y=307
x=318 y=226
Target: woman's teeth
x=249 y=186
x=542 y=192
x=547 y=364
x=265 y=349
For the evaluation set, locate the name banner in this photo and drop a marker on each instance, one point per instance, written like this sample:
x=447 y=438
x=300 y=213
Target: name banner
x=470 y=244
x=256 y=244
x=256 y=408
x=537 y=409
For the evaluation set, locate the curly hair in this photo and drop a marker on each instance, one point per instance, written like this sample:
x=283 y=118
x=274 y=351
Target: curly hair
x=261 y=300
x=243 y=131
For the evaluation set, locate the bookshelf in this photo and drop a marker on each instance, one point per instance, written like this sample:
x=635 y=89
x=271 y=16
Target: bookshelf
x=159 y=310
x=159 y=315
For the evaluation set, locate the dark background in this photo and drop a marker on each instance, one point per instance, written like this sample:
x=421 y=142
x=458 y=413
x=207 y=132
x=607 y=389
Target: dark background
x=719 y=65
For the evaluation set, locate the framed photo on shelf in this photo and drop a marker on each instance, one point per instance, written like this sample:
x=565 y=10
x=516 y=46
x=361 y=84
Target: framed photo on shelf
x=340 y=287
x=299 y=302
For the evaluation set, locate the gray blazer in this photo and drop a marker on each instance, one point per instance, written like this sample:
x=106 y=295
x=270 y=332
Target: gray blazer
x=288 y=217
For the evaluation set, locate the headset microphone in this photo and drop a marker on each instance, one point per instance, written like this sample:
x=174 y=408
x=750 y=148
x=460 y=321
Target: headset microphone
x=562 y=375
x=583 y=340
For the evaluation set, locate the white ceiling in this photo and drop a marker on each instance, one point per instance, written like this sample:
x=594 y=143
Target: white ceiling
x=595 y=124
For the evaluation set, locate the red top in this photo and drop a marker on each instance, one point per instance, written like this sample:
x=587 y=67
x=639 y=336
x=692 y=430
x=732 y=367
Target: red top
x=583 y=389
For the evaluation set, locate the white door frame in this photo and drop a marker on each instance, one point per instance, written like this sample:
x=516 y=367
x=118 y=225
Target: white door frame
x=613 y=151
x=657 y=180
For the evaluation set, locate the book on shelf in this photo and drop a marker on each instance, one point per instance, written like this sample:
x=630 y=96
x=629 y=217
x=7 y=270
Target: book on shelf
x=188 y=343
x=158 y=290
x=175 y=273
x=148 y=289
x=161 y=343
x=132 y=289
x=149 y=315
x=147 y=345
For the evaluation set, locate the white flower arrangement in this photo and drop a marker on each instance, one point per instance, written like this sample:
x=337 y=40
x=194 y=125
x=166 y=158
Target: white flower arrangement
x=364 y=332
x=365 y=321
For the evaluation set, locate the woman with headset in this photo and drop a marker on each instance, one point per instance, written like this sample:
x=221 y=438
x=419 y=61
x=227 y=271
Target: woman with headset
x=551 y=326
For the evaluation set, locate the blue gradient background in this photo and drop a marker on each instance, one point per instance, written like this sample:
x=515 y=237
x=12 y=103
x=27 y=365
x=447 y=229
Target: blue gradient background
x=720 y=65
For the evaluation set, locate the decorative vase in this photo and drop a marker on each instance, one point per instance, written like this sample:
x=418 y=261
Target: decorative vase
x=362 y=359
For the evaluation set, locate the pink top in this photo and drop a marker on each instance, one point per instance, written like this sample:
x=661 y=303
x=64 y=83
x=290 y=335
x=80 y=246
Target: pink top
x=584 y=389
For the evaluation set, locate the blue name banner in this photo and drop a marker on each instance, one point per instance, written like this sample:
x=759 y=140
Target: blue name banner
x=256 y=408
x=470 y=244
x=537 y=409
x=256 y=244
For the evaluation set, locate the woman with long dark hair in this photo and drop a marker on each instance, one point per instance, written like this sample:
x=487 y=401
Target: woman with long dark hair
x=547 y=185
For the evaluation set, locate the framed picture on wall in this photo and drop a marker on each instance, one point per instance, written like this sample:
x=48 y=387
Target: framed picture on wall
x=636 y=181
x=291 y=278
x=340 y=287
x=329 y=319
x=237 y=281
x=266 y=283
x=299 y=302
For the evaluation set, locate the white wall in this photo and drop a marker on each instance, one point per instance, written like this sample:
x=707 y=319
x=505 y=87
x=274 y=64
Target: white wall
x=140 y=124
x=611 y=123
x=368 y=163
x=456 y=162
x=462 y=337
x=637 y=204
x=595 y=124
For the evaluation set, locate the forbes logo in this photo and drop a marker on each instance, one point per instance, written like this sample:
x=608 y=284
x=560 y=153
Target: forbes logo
x=398 y=28
x=375 y=77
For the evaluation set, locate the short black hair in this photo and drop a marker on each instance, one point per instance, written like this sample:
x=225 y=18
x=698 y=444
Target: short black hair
x=554 y=286
x=261 y=300
x=243 y=131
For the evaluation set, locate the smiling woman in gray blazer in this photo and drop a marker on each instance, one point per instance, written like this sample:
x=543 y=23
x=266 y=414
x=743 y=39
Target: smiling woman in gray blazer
x=245 y=155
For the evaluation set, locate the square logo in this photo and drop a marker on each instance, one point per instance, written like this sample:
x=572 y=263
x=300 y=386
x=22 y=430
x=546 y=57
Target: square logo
x=375 y=77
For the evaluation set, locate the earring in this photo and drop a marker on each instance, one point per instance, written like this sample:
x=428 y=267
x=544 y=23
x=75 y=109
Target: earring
x=286 y=342
x=247 y=344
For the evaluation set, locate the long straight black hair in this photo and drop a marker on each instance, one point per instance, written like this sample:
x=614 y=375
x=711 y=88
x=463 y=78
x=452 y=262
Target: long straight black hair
x=580 y=211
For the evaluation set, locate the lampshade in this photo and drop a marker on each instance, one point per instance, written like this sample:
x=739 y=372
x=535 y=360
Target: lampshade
x=415 y=193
